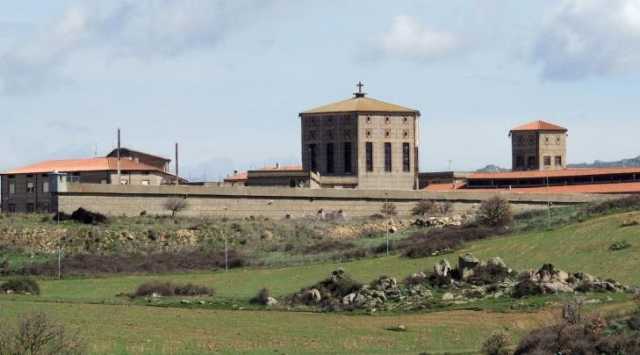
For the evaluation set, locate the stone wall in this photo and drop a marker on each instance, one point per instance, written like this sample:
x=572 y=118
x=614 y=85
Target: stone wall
x=279 y=202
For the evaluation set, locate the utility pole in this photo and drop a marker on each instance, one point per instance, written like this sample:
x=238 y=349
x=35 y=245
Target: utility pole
x=177 y=166
x=118 y=159
x=59 y=262
x=226 y=246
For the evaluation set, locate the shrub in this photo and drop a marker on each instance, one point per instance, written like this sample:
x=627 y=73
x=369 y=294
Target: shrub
x=261 y=298
x=22 y=285
x=169 y=289
x=442 y=241
x=625 y=203
x=35 y=334
x=175 y=205
x=444 y=207
x=389 y=209
x=424 y=207
x=495 y=212
x=497 y=344
x=81 y=216
x=620 y=246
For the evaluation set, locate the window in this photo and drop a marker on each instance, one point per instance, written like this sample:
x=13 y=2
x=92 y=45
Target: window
x=330 y=165
x=386 y=120
x=45 y=186
x=387 y=133
x=558 y=160
x=30 y=187
x=519 y=161
x=312 y=157
x=369 y=155
x=406 y=157
x=30 y=208
x=404 y=119
x=347 y=157
x=547 y=161
x=12 y=188
x=531 y=162
x=387 y=157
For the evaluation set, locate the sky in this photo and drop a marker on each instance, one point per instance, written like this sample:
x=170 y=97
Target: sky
x=227 y=79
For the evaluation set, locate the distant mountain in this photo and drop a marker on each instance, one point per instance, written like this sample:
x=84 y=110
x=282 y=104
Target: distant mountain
x=633 y=162
x=492 y=169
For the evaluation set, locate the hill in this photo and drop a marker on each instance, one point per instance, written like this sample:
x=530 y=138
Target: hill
x=632 y=162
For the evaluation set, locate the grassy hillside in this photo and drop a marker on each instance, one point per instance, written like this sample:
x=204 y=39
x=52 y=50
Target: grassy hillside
x=134 y=328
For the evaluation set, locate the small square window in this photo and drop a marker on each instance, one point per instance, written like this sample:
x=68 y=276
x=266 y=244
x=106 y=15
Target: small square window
x=387 y=133
x=547 y=161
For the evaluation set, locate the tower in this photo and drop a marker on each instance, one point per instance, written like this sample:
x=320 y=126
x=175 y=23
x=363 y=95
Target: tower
x=538 y=145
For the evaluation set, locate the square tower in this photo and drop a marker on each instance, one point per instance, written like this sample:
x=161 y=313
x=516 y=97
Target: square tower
x=538 y=145
x=361 y=143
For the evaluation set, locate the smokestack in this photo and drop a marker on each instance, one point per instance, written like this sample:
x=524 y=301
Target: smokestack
x=177 y=167
x=118 y=160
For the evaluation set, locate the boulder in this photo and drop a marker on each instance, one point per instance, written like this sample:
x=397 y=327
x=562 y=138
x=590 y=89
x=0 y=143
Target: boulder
x=448 y=296
x=349 y=299
x=442 y=268
x=313 y=295
x=271 y=301
x=466 y=264
x=556 y=287
x=497 y=262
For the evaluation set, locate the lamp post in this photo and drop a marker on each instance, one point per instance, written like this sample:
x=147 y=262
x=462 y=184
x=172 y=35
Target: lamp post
x=226 y=246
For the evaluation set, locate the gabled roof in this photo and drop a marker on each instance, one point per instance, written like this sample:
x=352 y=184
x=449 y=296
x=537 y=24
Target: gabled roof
x=360 y=103
x=83 y=165
x=114 y=153
x=539 y=126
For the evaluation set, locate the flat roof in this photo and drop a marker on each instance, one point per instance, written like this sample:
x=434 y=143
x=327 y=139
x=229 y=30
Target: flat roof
x=566 y=173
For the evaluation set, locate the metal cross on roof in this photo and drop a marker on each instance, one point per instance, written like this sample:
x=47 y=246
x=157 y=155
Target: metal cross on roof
x=360 y=85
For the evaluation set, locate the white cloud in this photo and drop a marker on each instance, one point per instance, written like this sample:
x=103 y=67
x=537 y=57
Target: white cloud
x=584 y=38
x=142 y=28
x=409 y=39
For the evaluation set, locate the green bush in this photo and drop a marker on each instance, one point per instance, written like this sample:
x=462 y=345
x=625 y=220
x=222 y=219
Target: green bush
x=169 y=289
x=497 y=344
x=21 y=285
x=495 y=212
x=621 y=245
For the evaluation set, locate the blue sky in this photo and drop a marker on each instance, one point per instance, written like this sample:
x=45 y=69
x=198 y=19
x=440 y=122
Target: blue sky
x=227 y=79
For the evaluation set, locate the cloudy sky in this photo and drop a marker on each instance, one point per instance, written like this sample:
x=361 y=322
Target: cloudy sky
x=227 y=79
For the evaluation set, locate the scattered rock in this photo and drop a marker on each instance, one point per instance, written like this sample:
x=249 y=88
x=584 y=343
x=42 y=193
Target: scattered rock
x=398 y=328
x=466 y=264
x=448 y=296
x=442 y=268
x=271 y=301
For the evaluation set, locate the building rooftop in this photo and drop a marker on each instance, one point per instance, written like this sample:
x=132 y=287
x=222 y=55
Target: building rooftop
x=539 y=126
x=244 y=175
x=83 y=165
x=114 y=153
x=532 y=174
x=604 y=188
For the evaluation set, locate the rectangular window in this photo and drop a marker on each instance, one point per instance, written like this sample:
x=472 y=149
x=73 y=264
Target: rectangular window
x=406 y=157
x=387 y=157
x=45 y=186
x=369 y=155
x=347 y=157
x=12 y=188
x=312 y=157
x=519 y=161
x=547 y=161
x=330 y=161
x=30 y=187
x=558 y=160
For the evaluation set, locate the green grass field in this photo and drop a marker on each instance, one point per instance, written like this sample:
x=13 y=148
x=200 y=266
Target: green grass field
x=112 y=324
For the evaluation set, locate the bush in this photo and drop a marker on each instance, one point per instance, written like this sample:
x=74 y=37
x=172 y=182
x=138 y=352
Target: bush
x=620 y=246
x=175 y=205
x=81 y=216
x=389 y=209
x=495 y=212
x=35 y=334
x=625 y=203
x=169 y=289
x=424 y=207
x=442 y=241
x=261 y=298
x=497 y=344
x=22 y=285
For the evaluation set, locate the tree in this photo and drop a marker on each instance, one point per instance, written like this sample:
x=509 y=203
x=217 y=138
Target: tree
x=423 y=207
x=175 y=205
x=389 y=209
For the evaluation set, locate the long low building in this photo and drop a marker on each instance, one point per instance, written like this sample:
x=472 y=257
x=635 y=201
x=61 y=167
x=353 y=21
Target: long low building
x=600 y=180
x=30 y=188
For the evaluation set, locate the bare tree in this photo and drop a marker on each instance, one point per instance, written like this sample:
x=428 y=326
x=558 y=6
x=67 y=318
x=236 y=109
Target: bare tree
x=175 y=205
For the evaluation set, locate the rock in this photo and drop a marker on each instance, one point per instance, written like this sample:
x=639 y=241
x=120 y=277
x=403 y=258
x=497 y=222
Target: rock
x=313 y=295
x=271 y=301
x=185 y=302
x=348 y=299
x=266 y=235
x=497 y=262
x=9 y=292
x=442 y=268
x=155 y=295
x=448 y=296
x=398 y=328
x=202 y=302
x=466 y=264
x=556 y=287
x=393 y=229
x=474 y=292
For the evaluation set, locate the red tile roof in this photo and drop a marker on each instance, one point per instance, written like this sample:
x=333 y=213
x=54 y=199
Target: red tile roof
x=539 y=126
x=611 y=188
x=552 y=173
x=80 y=165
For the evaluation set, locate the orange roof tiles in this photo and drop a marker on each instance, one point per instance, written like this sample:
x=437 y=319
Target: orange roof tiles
x=610 y=188
x=539 y=126
x=79 y=165
x=552 y=173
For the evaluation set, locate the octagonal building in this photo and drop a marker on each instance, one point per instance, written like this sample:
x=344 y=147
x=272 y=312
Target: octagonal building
x=362 y=143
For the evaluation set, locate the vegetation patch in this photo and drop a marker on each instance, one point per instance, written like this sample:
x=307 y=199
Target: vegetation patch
x=36 y=334
x=170 y=289
x=20 y=285
x=621 y=245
